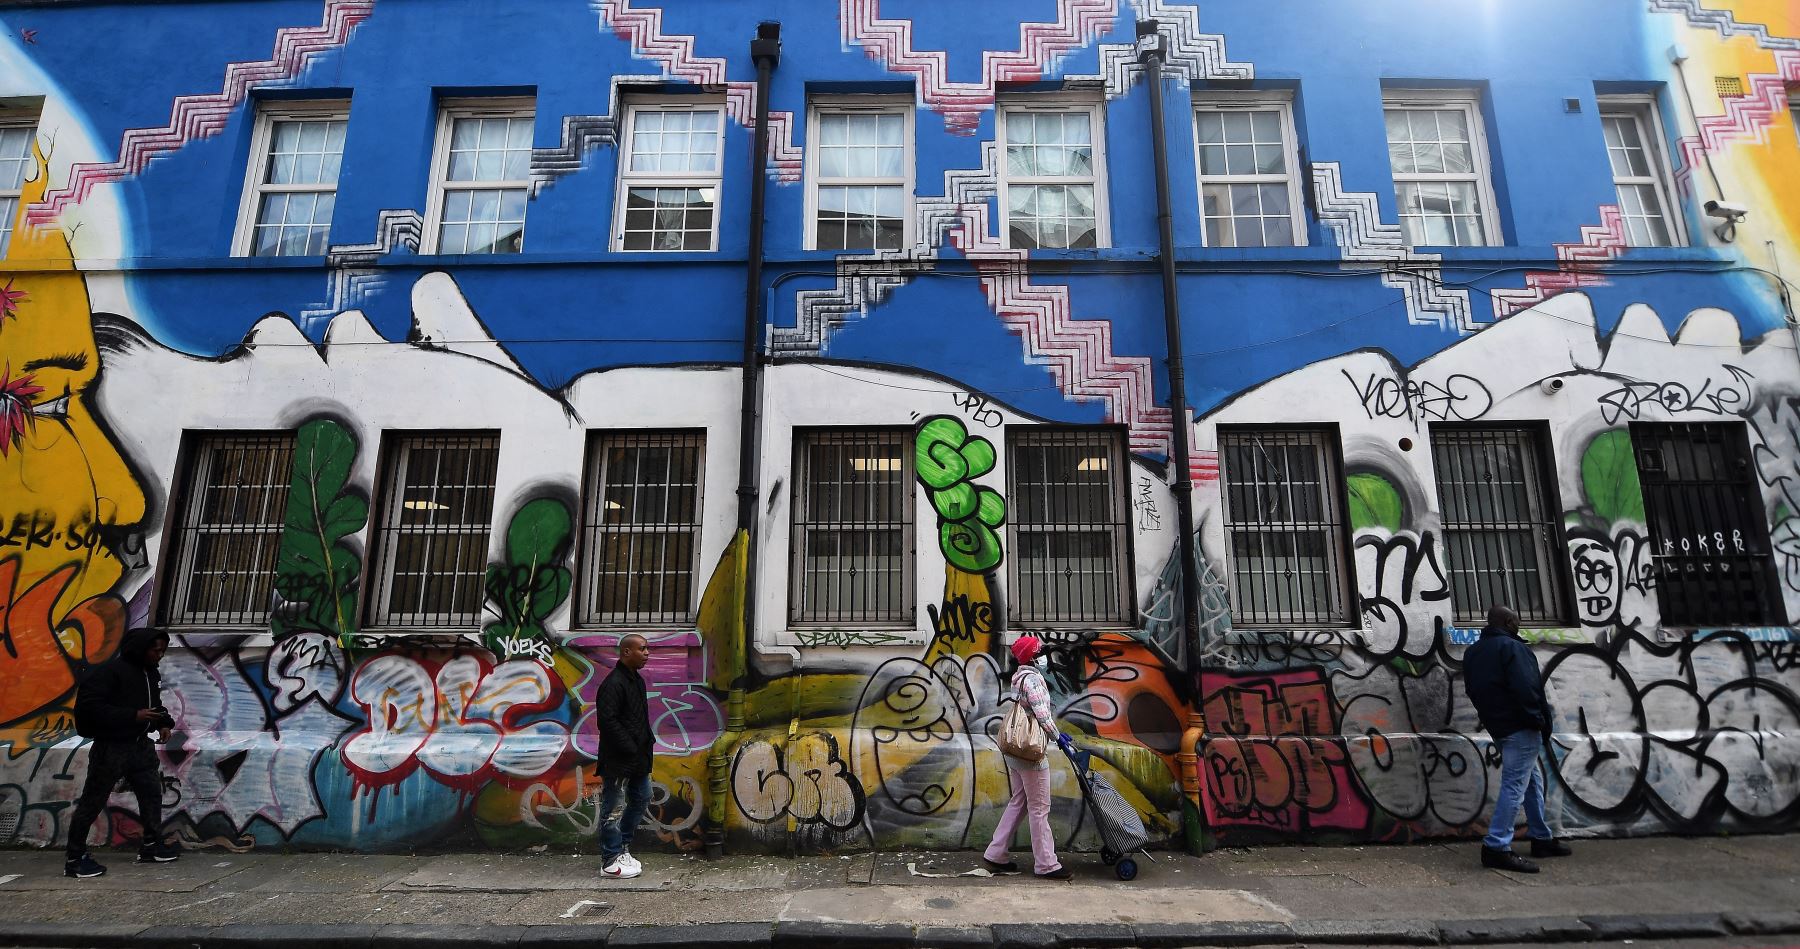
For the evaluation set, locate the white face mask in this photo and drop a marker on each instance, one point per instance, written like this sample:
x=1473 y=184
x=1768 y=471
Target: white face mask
x=1042 y=662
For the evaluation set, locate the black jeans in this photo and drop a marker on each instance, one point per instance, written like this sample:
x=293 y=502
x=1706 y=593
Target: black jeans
x=133 y=759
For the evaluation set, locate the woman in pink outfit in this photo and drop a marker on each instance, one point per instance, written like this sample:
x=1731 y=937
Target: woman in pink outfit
x=1030 y=779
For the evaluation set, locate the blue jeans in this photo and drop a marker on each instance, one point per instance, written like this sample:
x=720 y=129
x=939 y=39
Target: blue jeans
x=615 y=836
x=1520 y=782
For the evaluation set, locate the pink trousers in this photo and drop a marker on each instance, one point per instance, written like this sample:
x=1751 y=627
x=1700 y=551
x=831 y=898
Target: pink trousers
x=1030 y=795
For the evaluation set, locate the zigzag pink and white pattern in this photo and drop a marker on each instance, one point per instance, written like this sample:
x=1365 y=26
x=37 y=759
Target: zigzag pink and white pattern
x=201 y=117
x=1598 y=244
x=1078 y=353
x=1746 y=120
x=643 y=29
x=889 y=42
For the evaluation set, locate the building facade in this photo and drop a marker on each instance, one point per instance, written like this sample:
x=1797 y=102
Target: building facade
x=399 y=357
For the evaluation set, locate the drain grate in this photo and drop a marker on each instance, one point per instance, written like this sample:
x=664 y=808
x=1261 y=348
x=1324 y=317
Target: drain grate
x=587 y=909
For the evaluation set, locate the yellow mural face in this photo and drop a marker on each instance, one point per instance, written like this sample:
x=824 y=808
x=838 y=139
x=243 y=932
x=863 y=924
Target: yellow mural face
x=64 y=486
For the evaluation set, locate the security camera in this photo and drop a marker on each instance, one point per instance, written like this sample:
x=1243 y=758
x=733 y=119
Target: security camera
x=1729 y=215
x=1551 y=386
x=1726 y=210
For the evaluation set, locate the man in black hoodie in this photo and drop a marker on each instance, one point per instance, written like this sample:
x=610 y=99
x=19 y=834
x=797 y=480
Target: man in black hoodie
x=1504 y=684
x=622 y=710
x=118 y=704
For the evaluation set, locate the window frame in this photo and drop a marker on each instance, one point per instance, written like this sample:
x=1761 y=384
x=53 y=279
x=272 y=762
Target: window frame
x=1122 y=529
x=685 y=179
x=1342 y=534
x=1254 y=101
x=449 y=110
x=12 y=118
x=268 y=114
x=1554 y=581
x=176 y=568
x=1642 y=110
x=1482 y=174
x=797 y=530
x=380 y=560
x=1056 y=104
x=592 y=494
x=819 y=106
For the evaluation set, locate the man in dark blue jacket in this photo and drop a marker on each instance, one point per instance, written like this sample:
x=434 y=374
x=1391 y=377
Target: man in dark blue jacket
x=1503 y=682
x=622 y=711
x=118 y=705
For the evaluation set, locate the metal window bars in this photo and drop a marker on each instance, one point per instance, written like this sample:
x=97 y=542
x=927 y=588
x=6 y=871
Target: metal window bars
x=229 y=530
x=1709 y=542
x=641 y=530
x=1499 y=527
x=852 y=528
x=431 y=544
x=1069 y=528
x=1283 y=528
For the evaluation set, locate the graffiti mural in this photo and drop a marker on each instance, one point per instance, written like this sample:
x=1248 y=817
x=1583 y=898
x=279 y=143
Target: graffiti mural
x=307 y=718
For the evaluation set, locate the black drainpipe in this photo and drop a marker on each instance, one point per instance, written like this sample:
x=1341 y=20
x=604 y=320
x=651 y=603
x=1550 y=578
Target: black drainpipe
x=765 y=51
x=1150 y=53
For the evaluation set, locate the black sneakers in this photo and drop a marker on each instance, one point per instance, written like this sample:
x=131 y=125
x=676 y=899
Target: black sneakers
x=1506 y=860
x=83 y=867
x=159 y=853
x=1550 y=847
x=1060 y=873
x=999 y=868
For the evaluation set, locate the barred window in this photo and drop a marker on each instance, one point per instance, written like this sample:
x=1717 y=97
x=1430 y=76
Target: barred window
x=1501 y=544
x=1709 y=539
x=1070 y=527
x=642 y=529
x=431 y=544
x=228 y=531
x=1283 y=497
x=852 y=542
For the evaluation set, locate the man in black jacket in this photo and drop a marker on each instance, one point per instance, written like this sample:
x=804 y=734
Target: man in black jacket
x=622 y=710
x=118 y=704
x=1504 y=684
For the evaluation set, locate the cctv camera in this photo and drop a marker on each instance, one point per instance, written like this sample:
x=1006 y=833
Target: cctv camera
x=1726 y=210
x=1551 y=386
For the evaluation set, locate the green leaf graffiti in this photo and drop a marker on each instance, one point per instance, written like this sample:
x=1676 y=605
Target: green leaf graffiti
x=315 y=570
x=1374 y=502
x=1609 y=474
x=948 y=461
x=533 y=582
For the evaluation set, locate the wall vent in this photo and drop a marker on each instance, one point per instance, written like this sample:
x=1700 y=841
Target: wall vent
x=1728 y=86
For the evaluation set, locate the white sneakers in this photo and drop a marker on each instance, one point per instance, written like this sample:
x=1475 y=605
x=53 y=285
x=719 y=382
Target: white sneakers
x=624 y=867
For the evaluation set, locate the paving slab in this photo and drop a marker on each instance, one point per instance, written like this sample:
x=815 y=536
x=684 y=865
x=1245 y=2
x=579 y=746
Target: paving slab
x=43 y=870
x=1025 y=903
x=512 y=873
x=317 y=872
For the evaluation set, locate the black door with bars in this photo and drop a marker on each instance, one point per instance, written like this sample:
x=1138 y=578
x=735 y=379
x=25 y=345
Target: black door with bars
x=1709 y=540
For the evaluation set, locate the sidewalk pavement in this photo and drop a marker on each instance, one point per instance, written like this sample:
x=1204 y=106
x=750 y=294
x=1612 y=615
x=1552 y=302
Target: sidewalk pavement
x=1418 y=894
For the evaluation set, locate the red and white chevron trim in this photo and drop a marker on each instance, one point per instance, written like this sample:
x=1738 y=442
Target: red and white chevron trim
x=201 y=117
x=1746 y=120
x=1598 y=244
x=889 y=42
x=643 y=29
x=1078 y=353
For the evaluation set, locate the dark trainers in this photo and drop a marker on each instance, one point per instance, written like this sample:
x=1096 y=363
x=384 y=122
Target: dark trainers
x=1060 y=873
x=83 y=867
x=160 y=853
x=1506 y=860
x=1550 y=847
x=1007 y=867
